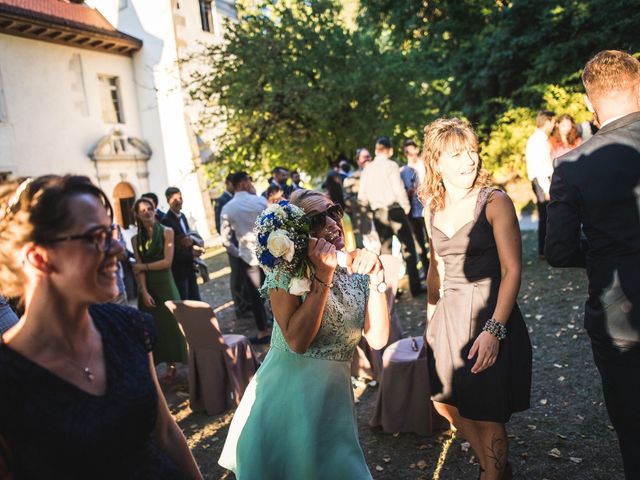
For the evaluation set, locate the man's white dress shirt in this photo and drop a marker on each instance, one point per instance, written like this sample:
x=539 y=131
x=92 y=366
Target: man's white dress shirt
x=381 y=185
x=239 y=216
x=539 y=161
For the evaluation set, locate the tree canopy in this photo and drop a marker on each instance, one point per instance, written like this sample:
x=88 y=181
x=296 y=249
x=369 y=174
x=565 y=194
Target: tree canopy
x=298 y=83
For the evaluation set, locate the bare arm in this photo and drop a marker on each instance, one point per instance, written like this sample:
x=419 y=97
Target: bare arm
x=434 y=274
x=168 y=436
x=298 y=320
x=376 y=320
x=502 y=217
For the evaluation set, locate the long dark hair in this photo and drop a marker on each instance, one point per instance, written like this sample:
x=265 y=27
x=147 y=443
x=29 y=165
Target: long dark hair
x=143 y=237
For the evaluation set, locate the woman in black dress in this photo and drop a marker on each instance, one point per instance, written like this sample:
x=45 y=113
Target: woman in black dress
x=479 y=350
x=80 y=397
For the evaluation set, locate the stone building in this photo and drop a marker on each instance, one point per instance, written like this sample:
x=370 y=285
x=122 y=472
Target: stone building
x=94 y=88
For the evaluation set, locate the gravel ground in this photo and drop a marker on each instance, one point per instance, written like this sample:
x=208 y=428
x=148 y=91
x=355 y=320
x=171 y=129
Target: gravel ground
x=565 y=435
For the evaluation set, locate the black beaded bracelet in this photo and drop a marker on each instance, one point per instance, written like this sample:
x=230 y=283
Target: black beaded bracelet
x=495 y=328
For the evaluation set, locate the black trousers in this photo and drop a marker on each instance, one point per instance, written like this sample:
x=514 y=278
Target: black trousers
x=187 y=284
x=394 y=221
x=541 y=204
x=619 y=367
x=252 y=277
x=422 y=241
x=236 y=285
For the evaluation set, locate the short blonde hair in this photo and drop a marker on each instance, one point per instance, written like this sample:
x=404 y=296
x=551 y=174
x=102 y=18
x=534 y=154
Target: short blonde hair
x=442 y=135
x=610 y=71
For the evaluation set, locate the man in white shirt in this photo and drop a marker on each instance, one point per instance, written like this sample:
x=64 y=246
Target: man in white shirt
x=381 y=188
x=238 y=218
x=540 y=170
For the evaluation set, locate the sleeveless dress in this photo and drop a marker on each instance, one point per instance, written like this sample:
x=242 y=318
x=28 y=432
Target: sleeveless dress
x=171 y=346
x=296 y=420
x=55 y=430
x=467 y=300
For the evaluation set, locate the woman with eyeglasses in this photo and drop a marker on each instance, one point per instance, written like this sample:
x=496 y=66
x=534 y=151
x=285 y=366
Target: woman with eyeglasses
x=296 y=419
x=153 y=248
x=80 y=397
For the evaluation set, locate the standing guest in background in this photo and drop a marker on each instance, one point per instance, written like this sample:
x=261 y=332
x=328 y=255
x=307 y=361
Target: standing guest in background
x=238 y=219
x=184 y=272
x=595 y=193
x=382 y=190
x=274 y=194
x=333 y=186
x=479 y=353
x=296 y=183
x=154 y=198
x=413 y=174
x=361 y=216
x=223 y=199
x=238 y=290
x=80 y=397
x=153 y=247
x=279 y=177
x=344 y=168
x=540 y=169
x=564 y=136
x=8 y=317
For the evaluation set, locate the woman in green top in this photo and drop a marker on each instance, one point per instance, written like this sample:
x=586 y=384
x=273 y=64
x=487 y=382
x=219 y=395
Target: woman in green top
x=153 y=248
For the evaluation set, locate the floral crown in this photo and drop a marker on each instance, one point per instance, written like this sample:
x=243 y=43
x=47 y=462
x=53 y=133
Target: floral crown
x=283 y=237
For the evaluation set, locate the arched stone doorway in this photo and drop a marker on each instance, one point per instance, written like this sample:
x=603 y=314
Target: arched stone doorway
x=123 y=198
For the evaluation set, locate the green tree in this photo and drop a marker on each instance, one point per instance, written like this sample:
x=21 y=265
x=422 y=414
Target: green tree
x=295 y=86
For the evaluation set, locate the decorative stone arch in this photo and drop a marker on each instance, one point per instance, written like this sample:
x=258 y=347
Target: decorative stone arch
x=124 y=197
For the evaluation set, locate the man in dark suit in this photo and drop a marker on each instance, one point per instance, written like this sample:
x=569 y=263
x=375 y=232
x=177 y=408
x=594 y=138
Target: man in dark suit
x=594 y=222
x=238 y=291
x=183 y=270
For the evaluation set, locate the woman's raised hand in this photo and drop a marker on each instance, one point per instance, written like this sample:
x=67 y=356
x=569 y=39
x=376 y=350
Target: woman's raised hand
x=364 y=262
x=322 y=255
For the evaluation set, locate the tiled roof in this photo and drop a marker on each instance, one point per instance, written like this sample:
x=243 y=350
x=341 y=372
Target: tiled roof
x=40 y=18
x=60 y=11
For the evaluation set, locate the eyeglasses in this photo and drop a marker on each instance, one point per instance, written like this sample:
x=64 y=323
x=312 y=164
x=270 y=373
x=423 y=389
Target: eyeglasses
x=319 y=220
x=101 y=237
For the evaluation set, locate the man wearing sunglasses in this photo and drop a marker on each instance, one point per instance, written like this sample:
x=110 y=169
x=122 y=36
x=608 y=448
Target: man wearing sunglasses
x=238 y=218
x=381 y=188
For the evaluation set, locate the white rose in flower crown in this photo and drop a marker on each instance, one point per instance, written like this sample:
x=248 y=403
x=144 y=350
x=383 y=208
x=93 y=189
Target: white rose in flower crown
x=280 y=245
x=299 y=286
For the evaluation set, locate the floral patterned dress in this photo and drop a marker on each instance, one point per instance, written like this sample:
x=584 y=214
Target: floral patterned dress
x=296 y=419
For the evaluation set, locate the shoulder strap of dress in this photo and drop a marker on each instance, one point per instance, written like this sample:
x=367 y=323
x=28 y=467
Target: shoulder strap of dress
x=483 y=197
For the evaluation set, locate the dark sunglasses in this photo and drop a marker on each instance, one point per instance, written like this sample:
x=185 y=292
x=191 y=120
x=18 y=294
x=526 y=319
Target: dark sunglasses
x=101 y=237
x=319 y=220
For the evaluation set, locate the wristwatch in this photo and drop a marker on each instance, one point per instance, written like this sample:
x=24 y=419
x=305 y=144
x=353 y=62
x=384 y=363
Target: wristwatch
x=380 y=287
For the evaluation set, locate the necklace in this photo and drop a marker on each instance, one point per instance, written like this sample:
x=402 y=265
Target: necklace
x=87 y=371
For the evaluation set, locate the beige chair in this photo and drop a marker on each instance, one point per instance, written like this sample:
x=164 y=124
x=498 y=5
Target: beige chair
x=403 y=403
x=220 y=366
x=367 y=362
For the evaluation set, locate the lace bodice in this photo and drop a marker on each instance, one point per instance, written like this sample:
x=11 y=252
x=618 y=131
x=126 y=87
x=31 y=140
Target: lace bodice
x=343 y=317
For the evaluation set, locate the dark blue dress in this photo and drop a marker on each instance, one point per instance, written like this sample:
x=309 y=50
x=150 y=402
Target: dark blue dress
x=52 y=429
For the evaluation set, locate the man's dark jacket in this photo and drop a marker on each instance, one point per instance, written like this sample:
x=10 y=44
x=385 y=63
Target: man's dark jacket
x=182 y=265
x=221 y=201
x=594 y=222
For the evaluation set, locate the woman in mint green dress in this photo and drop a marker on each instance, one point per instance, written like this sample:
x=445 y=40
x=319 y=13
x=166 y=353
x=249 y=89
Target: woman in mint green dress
x=153 y=248
x=296 y=420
